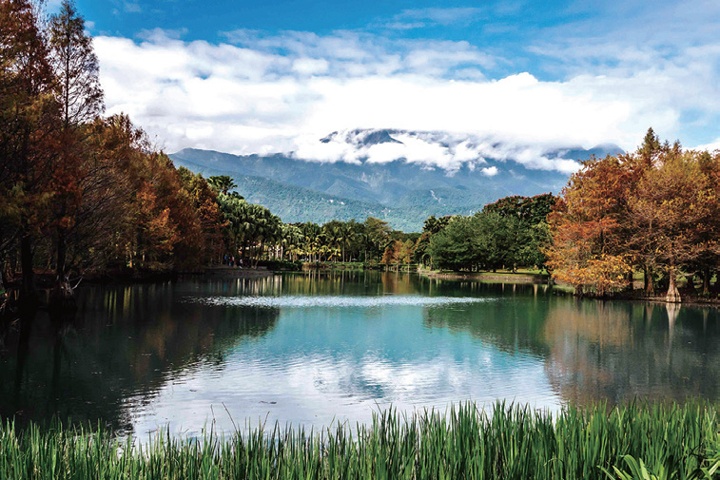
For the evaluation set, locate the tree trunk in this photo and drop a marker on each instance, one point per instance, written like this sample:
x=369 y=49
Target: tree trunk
x=28 y=292
x=706 y=281
x=61 y=246
x=62 y=295
x=649 y=284
x=673 y=296
x=631 y=282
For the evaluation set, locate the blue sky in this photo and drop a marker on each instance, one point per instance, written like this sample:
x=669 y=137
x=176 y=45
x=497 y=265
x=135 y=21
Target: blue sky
x=250 y=77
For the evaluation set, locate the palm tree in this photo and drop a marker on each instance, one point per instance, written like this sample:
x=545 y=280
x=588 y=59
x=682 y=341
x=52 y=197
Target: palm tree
x=313 y=236
x=347 y=232
x=222 y=183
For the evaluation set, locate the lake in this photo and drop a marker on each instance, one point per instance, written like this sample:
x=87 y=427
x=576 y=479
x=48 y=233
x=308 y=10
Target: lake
x=316 y=348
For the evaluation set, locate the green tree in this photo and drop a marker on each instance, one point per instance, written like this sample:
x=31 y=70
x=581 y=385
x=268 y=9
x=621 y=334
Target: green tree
x=497 y=243
x=455 y=247
x=377 y=233
x=222 y=183
x=434 y=225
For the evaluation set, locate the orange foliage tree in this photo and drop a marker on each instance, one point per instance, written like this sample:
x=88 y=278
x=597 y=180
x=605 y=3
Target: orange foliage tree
x=654 y=210
x=28 y=125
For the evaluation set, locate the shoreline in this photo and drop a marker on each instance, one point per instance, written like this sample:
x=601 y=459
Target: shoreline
x=519 y=278
x=234 y=272
x=543 y=279
x=46 y=280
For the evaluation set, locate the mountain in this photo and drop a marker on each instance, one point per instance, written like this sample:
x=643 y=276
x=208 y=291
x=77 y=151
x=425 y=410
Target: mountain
x=400 y=191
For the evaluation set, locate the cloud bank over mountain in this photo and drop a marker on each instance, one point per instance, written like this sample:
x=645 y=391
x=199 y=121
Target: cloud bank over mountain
x=430 y=149
x=260 y=92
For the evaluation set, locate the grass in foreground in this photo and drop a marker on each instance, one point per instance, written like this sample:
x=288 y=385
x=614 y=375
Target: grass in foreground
x=642 y=442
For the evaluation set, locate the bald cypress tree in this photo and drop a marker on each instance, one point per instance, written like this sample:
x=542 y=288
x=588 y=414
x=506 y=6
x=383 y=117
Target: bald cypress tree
x=76 y=67
x=27 y=127
x=78 y=92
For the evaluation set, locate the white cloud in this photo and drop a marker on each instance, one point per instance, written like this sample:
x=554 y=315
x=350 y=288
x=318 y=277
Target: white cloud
x=283 y=93
x=665 y=55
x=310 y=66
x=710 y=147
x=490 y=171
x=160 y=35
x=443 y=16
x=132 y=7
x=423 y=17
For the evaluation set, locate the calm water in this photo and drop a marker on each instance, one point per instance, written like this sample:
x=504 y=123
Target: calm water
x=335 y=347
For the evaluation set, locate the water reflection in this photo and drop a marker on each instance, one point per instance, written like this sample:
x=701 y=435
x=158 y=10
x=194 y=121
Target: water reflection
x=315 y=347
x=621 y=351
x=120 y=349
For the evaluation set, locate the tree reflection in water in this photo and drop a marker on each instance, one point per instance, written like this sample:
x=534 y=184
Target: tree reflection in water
x=127 y=344
x=125 y=341
x=621 y=351
x=596 y=350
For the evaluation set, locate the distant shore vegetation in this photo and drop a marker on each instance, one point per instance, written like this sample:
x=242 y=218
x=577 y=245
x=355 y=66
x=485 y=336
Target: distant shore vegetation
x=652 y=215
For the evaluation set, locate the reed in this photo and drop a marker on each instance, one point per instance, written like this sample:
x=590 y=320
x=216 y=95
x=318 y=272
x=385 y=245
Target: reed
x=637 y=441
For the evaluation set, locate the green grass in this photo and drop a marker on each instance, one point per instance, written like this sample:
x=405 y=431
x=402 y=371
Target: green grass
x=636 y=441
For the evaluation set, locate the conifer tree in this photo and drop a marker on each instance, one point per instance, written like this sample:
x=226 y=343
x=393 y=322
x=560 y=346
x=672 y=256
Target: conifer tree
x=27 y=114
x=78 y=92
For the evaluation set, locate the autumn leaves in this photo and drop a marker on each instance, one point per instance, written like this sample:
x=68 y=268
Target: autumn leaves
x=656 y=211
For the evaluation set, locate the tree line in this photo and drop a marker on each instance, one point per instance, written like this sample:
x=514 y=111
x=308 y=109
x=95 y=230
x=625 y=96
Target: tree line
x=80 y=192
x=509 y=233
x=253 y=233
x=655 y=211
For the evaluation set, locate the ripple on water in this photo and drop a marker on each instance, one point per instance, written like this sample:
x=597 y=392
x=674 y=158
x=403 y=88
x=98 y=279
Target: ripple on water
x=335 y=301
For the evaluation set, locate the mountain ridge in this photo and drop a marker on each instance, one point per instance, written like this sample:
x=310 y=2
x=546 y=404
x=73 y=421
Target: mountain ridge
x=401 y=192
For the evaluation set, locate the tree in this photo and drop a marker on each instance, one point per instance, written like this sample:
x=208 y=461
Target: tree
x=673 y=211
x=104 y=218
x=76 y=67
x=496 y=242
x=588 y=219
x=532 y=210
x=222 y=183
x=525 y=228
x=205 y=202
x=650 y=147
x=433 y=225
x=347 y=234
x=377 y=232
x=292 y=238
x=391 y=255
x=406 y=253
x=80 y=99
x=656 y=209
x=28 y=113
x=455 y=247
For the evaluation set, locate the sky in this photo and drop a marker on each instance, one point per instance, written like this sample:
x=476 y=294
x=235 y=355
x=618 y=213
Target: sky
x=514 y=77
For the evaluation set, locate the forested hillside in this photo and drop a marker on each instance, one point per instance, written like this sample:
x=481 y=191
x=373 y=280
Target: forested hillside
x=400 y=192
